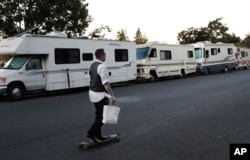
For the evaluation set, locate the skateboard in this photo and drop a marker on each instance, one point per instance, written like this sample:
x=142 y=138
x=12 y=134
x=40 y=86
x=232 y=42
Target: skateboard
x=89 y=143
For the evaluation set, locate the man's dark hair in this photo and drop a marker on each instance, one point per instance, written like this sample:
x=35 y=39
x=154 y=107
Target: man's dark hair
x=99 y=53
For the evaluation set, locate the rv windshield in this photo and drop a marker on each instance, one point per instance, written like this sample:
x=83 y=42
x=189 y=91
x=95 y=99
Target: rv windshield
x=16 y=62
x=198 y=53
x=142 y=53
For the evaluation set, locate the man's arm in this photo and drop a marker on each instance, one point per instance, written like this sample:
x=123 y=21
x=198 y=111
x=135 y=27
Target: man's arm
x=103 y=72
x=110 y=92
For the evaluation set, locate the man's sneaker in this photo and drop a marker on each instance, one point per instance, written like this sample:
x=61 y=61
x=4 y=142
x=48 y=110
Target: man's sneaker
x=94 y=139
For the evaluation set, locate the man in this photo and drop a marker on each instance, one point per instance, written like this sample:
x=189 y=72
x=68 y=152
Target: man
x=99 y=92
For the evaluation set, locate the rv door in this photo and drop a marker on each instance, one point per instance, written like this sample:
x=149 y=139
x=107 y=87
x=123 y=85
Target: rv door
x=35 y=75
x=153 y=56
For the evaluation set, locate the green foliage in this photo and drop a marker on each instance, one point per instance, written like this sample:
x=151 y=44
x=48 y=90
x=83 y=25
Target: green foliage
x=122 y=35
x=192 y=35
x=139 y=38
x=214 y=32
x=99 y=32
x=246 y=41
x=51 y=15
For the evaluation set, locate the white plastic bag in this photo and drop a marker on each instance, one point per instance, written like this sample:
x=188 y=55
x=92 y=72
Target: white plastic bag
x=110 y=114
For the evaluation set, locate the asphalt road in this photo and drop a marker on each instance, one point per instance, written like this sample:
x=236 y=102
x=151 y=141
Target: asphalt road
x=194 y=118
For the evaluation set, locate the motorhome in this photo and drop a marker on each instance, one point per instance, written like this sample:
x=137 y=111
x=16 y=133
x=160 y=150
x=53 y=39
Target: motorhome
x=243 y=58
x=214 y=57
x=155 y=60
x=54 y=63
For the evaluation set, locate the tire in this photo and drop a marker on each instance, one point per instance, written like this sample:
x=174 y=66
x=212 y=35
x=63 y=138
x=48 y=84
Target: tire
x=15 y=92
x=236 y=68
x=152 y=77
x=182 y=74
x=225 y=69
x=206 y=72
x=247 y=67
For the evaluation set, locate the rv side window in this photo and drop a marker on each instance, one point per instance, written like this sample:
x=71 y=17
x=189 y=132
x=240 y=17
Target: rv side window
x=121 y=55
x=153 y=53
x=87 y=56
x=230 y=50
x=243 y=54
x=218 y=50
x=165 y=55
x=34 y=64
x=190 y=54
x=67 y=56
x=213 y=51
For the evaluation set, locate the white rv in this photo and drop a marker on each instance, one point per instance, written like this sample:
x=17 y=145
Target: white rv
x=156 y=60
x=214 y=57
x=56 y=63
x=243 y=58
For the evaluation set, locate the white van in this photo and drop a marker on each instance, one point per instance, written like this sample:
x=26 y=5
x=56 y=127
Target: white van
x=156 y=60
x=54 y=63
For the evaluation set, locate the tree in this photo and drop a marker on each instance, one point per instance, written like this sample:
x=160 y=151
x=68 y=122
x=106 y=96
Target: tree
x=214 y=32
x=98 y=32
x=217 y=30
x=230 y=38
x=192 y=35
x=9 y=17
x=246 y=41
x=139 y=38
x=51 y=15
x=122 y=35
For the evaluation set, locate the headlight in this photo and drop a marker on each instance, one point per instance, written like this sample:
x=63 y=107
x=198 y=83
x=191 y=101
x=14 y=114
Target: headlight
x=3 y=79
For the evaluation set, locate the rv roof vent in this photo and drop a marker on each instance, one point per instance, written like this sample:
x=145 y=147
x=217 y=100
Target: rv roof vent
x=206 y=42
x=152 y=42
x=219 y=43
x=54 y=34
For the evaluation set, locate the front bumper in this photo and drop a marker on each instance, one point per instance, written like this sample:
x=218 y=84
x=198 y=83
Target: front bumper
x=3 y=90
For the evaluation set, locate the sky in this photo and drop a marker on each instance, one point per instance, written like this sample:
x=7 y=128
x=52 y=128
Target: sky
x=162 y=20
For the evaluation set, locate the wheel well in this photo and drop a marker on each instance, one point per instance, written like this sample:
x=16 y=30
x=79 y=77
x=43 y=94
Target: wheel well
x=154 y=74
x=183 y=71
x=17 y=83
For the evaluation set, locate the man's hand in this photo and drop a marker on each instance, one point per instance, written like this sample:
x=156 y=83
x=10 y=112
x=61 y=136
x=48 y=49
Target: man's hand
x=113 y=99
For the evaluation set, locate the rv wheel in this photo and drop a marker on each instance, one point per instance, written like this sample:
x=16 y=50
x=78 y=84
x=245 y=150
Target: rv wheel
x=182 y=74
x=152 y=77
x=236 y=67
x=225 y=69
x=247 y=67
x=206 y=71
x=15 y=92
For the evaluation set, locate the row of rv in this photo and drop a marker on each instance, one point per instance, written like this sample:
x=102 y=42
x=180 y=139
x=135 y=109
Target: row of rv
x=46 y=63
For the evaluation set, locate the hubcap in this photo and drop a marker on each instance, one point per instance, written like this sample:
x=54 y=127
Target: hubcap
x=16 y=92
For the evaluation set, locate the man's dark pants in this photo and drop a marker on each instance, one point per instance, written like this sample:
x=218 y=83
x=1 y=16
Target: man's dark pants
x=95 y=129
